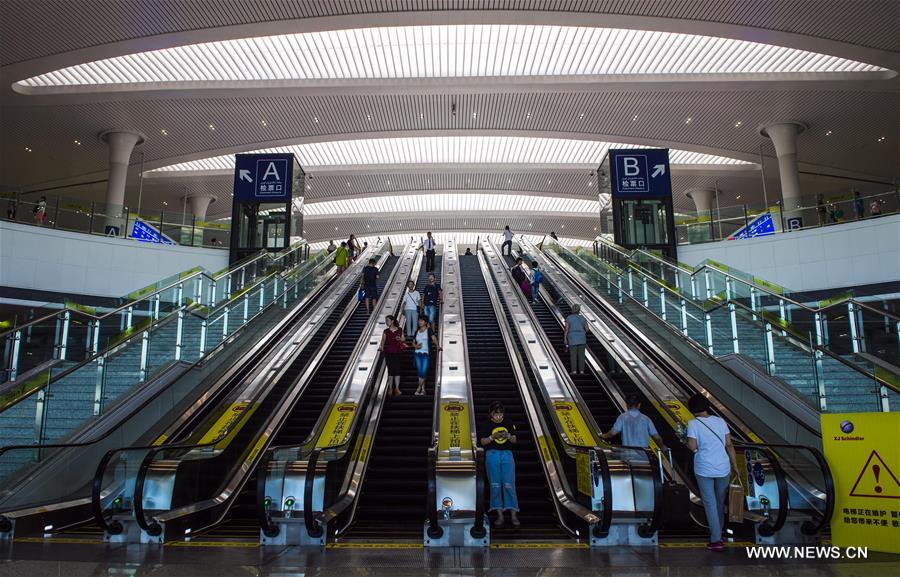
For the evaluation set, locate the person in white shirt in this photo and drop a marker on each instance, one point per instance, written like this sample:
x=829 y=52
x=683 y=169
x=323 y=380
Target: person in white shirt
x=507 y=240
x=331 y=247
x=411 y=300
x=635 y=427
x=714 y=460
x=423 y=340
x=428 y=246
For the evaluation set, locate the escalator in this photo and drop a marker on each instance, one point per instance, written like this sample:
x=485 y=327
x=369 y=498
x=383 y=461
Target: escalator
x=242 y=520
x=492 y=379
x=391 y=503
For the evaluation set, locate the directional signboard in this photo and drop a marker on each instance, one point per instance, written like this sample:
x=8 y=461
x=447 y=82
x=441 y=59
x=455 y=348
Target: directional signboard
x=263 y=177
x=642 y=172
x=763 y=225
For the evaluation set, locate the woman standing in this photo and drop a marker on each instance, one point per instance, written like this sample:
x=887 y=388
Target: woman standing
x=393 y=346
x=353 y=247
x=714 y=459
x=40 y=211
x=575 y=339
x=497 y=435
x=422 y=341
x=411 y=300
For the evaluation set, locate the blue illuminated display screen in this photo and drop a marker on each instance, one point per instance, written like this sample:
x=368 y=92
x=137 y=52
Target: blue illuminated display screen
x=145 y=233
x=763 y=225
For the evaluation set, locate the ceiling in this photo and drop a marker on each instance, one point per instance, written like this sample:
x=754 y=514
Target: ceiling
x=51 y=140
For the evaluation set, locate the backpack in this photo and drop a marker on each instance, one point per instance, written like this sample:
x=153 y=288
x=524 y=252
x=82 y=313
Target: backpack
x=518 y=274
x=538 y=277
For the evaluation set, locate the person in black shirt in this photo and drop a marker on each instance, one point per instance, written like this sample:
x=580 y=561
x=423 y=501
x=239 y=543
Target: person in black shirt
x=368 y=283
x=497 y=435
x=433 y=297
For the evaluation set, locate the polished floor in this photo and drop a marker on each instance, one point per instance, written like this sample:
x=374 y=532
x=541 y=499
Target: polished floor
x=74 y=558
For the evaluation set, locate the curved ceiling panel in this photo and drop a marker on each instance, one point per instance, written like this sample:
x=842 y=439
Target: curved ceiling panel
x=442 y=150
x=442 y=203
x=447 y=51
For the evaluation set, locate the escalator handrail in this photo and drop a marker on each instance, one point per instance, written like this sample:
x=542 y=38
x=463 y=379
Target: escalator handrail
x=308 y=444
x=524 y=389
x=152 y=451
x=602 y=530
x=783 y=498
x=681 y=377
x=249 y=360
x=434 y=528
x=369 y=393
x=478 y=529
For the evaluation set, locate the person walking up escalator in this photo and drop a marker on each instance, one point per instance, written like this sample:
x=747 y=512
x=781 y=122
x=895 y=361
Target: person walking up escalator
x=575 y=339
x=497 y=435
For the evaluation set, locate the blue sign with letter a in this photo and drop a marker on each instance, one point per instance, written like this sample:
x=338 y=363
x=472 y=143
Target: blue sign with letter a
x=263 y=177
x=641 y=172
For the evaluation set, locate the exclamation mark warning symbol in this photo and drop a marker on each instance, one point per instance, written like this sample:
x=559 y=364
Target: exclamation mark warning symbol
x=876 y=479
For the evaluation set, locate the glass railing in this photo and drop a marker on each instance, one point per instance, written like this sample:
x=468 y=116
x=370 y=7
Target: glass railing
x=93 y=388
x=80 y=215
x=737 y=318
x=693 y=227
x=73 y=396
x=66 y=336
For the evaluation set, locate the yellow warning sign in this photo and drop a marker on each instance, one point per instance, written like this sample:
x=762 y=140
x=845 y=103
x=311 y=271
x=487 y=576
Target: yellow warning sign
x=864 y=458
x=337 y=426
x=574 y=427
x=225 y=427
x=583 y=469
x=455 y=430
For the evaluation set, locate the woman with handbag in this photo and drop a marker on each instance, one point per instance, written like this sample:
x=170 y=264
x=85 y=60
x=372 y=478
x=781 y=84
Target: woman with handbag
x=714 y=460
x=393 y=348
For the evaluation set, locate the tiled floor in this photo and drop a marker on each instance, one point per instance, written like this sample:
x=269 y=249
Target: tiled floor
x=73 y=559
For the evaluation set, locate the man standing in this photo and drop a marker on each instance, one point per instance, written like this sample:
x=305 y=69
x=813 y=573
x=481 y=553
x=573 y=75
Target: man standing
x=368 y=283
x=433 y=297
x=507 y=240
x=428 y=247
x=635 y=427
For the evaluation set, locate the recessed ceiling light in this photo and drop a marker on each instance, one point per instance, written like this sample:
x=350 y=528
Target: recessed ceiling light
x=368 y=117
x=212 y=127
x=348 y=184
x=882 y=139
x=549 y=181
x=738 y=124
x=28 y=149
x=421 y=115
x=165 y=203
x=316 y=119
x=634 y=118
x=688 y=120
x=580 y=116
x=828 y=133
x=77 y=143
x=562 y=226
x=263 y=122
x=738 y=197
x=474 y=115
x=164 y=132
x=591 y=183
x=528 y=115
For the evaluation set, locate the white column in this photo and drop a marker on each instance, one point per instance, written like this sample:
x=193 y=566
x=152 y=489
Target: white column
x=199 y=203
x=121 y=143
x=702 y=197
x=784 y=136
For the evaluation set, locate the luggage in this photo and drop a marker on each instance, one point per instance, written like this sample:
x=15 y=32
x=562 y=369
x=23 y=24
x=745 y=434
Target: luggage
x=676 y=499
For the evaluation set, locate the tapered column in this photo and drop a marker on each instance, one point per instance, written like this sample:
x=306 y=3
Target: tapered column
x=121 y=144
x=703 y=201
x=199 y=204
x=784 y=137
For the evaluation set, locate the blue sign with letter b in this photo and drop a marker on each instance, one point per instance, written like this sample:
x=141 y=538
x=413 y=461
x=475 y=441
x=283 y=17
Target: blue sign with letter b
x=641 y=172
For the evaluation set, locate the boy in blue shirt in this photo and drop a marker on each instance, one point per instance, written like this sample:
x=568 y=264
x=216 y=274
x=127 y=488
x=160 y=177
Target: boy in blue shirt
x=537 y=277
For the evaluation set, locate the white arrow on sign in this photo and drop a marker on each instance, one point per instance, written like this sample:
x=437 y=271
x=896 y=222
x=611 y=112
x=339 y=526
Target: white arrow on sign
x=244 y=175
x=659 y=169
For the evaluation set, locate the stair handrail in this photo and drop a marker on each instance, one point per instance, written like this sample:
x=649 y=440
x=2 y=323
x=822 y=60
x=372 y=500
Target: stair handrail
x=181 y=280
x=629 y=254
x=170 y=317
x=693 y=343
